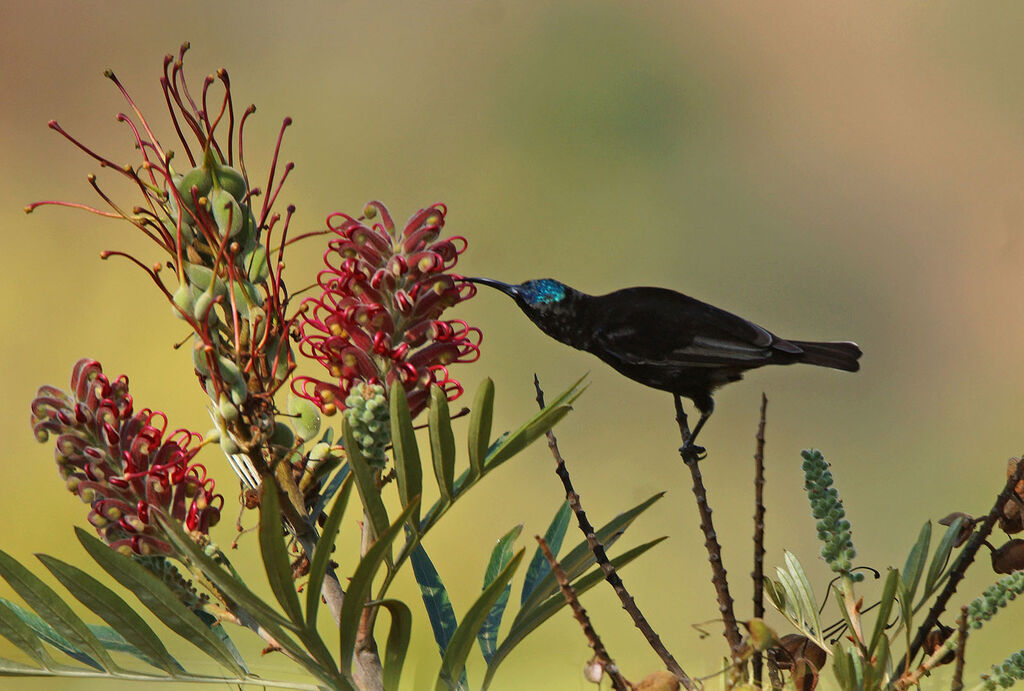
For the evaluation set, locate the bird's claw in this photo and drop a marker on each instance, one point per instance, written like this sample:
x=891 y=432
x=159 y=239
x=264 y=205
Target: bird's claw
x=691 y=452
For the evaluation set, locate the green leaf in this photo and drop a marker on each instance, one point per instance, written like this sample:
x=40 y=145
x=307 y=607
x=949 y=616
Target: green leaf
x=501 y=555
x=536 y=426
x=842 y=666
x=275 y=624
x=804 y=591
x=10 y=668
x=322 y=553
x=539 y=566
x=112 y=609
x=580 y=557
x=275 y=555
x=442 y=442
x=369 y=495
x=435 y=598
x=332 y=488
x=455 y=655
x=53 y=610
x=359 y=586
x=406 y=450
x=480 y=427
x=915 y=560
x=159 y=599
x=942 y=552
x=112 y=640
x=906 y=609
x=399 y=635
x=50 y=635
x=884 y=607
x=543 y=611
x=18 y=632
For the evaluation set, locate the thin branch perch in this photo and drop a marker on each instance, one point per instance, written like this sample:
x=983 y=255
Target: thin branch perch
x=759 y=509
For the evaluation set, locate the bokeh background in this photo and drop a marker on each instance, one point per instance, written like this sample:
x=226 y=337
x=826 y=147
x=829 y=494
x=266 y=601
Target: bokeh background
x=830 y=170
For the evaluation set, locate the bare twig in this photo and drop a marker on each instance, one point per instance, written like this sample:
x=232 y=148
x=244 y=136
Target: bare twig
x=959 y=568
x=961 y=643
x=759 y=509
x=610 y=574
x=600 y=652
x=718 y=575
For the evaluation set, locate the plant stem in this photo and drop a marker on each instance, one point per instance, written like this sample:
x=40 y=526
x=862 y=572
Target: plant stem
x=759 y=510
x=718 y=574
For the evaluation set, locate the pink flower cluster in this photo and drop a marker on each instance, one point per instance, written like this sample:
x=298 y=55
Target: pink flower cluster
x=122 y=463
x=378 y=318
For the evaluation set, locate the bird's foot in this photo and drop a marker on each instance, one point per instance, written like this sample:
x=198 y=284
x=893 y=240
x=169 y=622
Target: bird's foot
x=692 y=453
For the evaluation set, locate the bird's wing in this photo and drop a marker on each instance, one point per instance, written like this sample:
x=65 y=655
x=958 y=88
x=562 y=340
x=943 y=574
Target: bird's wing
x=655 y=325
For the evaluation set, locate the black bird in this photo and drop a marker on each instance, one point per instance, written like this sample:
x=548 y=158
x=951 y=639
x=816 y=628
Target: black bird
x=666 y=340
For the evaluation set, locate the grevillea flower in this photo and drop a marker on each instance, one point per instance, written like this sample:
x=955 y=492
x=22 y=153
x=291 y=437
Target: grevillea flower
x=378 y=319
x=123 y=463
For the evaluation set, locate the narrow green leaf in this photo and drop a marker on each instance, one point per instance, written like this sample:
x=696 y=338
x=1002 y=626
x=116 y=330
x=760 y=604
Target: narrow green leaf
x=275 y=624
x=804 y=591
x=544 y=610
x=442 y=442
x=112 y=609
x=159 y=599
x=359 y=586
x=501 y=555
x=275 y=556
x=18 y=632
x=915 y=560
x=10 y=668
x=480 y=427
x=776 y=594
x=906 y=609
x=843 y=669
x=884 y=607
x=50 y=635
x=942 y=552
x=580 y=557
x=399 y=634
x=332 y=488
x=322 y=553
x=536 y=426
x=114 y=641
x=406 y=450
x=53 y=610
x=369 y=495
x=435 y=598
x=454 y=659
x=539 y=566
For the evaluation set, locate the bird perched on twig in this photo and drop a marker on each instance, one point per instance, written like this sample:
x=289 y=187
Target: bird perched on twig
x=666 y=340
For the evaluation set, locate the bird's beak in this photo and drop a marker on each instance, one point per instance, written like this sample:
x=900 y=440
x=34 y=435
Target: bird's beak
x=507 y=288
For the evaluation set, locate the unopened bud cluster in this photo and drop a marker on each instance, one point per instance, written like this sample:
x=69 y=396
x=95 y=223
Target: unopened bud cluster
x=366 y=410
x=833 y=528
x=1006 y=674
x=996 y=596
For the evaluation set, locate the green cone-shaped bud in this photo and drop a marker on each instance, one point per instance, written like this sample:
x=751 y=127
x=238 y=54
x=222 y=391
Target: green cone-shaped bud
x=306 y=418
x=227 y=214
x=183 y=299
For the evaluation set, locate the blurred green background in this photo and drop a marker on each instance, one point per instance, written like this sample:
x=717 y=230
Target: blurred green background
x=829 y=170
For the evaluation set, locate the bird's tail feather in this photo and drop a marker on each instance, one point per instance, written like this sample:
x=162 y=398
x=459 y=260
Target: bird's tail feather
x=836 y=354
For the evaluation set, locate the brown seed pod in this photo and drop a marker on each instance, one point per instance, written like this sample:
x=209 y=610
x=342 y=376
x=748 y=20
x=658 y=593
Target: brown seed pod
x=1009 y=557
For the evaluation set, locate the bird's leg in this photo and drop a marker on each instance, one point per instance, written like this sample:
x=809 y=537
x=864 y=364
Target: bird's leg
x=689 y=450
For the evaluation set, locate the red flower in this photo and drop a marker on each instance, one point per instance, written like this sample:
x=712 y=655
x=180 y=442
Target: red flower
x=121 y=463
x=378 y=318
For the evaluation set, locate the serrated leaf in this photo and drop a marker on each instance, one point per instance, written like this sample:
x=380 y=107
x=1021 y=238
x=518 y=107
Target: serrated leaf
x=159 y=599
x=539 y=566
x=322 y=554
x=435 y=598
x=580 y=557
x=536 y=426
x=915 y=560
x=501 y=555
x=442 y=442
x=358 y=593
x=50 y=635
x=480 y=427
x=275 y=556
x=547 y=608
x=405 y=449
x=106 y=604
x=942 y=552
x=399 y=634
x=884 y=608
x=54 y=611
x=369 y=495
x=455 y=655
